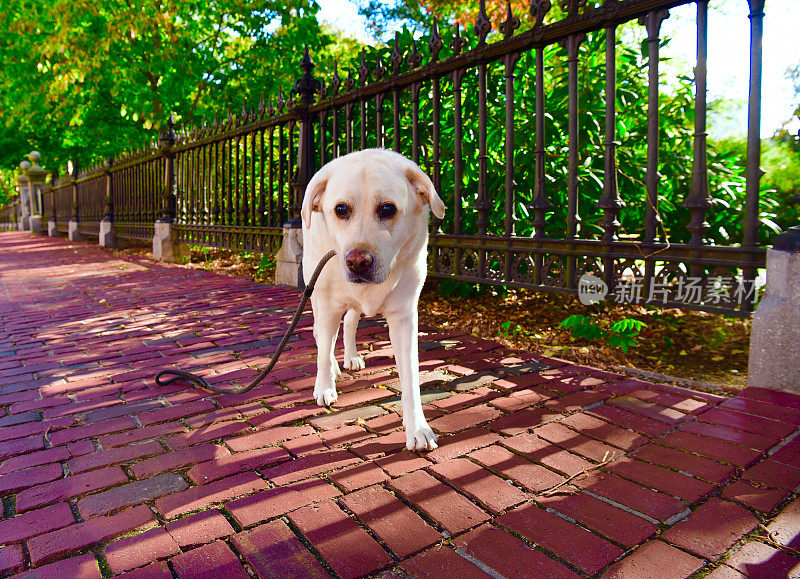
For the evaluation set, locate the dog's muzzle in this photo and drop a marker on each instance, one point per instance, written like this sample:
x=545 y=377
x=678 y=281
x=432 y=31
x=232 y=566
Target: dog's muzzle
x=361 y=265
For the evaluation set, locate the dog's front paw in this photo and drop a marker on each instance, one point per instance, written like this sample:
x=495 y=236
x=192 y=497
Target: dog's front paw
x=354 y=362
x=420 y=438
x=325 y=395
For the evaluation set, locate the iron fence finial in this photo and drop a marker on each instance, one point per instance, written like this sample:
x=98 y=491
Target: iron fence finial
x=458 y=43
x=511 y=23
x=336 y=81
x=363 y=71
x=483 y=26
x=379 y=70
x=168 y=138
x=435 y=43
x=538 y=9
x=397 y=56
x=306 y=86
x=415 y=57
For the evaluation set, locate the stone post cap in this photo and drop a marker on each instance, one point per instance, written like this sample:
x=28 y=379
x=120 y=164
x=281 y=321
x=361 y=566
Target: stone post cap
x=35 y=173
x=23 y=167
x=789 y=240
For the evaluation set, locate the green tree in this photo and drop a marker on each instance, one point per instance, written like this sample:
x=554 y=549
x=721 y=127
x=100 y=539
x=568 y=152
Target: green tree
x=85 y=79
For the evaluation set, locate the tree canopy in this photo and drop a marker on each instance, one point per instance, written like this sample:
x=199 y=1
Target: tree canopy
x=84 y=79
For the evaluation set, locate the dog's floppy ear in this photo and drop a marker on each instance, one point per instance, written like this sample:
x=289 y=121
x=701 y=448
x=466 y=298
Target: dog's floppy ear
x=314 y=192
x=423 y=186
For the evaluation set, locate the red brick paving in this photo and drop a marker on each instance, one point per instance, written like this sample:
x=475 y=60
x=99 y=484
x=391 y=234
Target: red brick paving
x=139 y=550
x=273 y=550
x=655 y=559
x=346 y=546
x=571 y=543
x=399 y=527
x=441 y=562
x=199 y=529
x=209 y=562
x=103 y=473
x=712 y=529
x=518 y=560
x=760 y=560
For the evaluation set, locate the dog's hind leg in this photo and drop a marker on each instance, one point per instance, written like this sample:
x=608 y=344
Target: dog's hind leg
x=326 y=328
x=352 y=361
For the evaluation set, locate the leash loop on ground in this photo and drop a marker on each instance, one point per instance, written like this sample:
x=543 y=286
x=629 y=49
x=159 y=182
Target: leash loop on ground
x=180 y=375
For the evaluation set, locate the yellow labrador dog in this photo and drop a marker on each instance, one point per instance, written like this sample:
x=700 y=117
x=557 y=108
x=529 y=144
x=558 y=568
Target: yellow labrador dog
x=371 y=207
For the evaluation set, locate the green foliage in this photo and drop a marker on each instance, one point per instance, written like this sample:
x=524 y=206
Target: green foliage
x=627 y=326
x=782 y=167
x=780 y=184
x=452 y=287
x=85 y=79
x=785 y=134
x=505 y=330
x=620 y=334
x=582 y=328
x=266 y=264
x=7 y=186
x=623 y=333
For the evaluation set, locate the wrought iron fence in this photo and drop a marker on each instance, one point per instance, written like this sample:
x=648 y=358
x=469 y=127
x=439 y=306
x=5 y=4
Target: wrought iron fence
x=234 y=183
x=9 y=215
x=137 y=184
x=232 y=187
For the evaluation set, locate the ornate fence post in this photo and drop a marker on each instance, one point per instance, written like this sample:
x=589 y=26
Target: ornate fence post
x=73 y=233
x=774 y=355
x=165 y=245
x=36 y=177
x=289 y=267
x=22 y=185
x=106 y=238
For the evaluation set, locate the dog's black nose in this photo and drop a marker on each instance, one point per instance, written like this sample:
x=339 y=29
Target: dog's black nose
x=359 y=261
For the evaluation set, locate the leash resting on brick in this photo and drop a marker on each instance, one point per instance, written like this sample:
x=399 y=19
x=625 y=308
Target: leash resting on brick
x=178 y=375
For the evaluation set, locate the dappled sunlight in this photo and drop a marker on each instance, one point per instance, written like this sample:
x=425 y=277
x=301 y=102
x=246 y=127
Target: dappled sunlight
x=536 y=455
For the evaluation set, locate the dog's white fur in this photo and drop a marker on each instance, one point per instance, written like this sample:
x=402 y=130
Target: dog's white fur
x=365 y=180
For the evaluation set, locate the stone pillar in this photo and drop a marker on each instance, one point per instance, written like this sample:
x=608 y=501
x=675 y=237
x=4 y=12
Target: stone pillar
x=107 y=238
x=289 y=267
x=52 y=228
x=775 y=335
x=289 y=259
x=165 y=244
x=36 y=178
x=22 y=185
x=73 y=231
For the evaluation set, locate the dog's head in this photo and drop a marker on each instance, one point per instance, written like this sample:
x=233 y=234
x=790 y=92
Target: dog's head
x=374 y=202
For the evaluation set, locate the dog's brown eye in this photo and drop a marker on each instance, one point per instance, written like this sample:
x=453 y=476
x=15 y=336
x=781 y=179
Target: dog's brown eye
x=386 y=210
x=342 y=210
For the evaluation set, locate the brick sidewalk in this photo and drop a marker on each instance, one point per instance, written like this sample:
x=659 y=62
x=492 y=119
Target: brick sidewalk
x=102 y=473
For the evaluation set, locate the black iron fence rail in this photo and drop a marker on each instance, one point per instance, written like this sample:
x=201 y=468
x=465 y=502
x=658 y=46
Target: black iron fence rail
x=235 y=182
